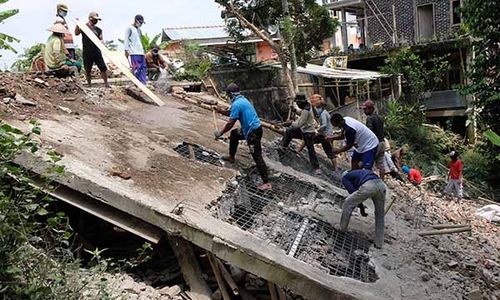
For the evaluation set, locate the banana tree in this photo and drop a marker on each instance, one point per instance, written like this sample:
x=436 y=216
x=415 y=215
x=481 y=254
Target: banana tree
x=5 y=39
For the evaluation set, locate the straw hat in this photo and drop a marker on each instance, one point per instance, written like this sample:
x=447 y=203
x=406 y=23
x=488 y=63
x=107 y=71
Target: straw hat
x=58 y=28
x=63 y=7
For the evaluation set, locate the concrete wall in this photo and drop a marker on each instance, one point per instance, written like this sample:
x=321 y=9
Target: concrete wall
x=406 y=21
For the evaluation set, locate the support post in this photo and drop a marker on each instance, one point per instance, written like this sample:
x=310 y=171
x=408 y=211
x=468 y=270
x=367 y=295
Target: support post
x=345 y=40
x=218 y=276
x=190 y=268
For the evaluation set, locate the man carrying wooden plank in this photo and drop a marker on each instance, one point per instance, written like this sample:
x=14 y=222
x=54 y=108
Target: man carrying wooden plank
x=362 y=185
x=135 y=51
x=91 y=53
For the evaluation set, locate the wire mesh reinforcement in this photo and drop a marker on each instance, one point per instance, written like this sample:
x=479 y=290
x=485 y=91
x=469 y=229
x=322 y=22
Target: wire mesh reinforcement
x=193 y=151
x=277 y=216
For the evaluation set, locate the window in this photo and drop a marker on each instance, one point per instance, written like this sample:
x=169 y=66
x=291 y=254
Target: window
x=455 y=15
x=425 y=21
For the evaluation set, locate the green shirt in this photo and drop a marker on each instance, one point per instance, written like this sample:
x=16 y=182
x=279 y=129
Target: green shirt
x=54 y=52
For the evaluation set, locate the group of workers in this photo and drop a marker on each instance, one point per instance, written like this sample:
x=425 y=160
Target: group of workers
x=60 y=51
x=367 y=142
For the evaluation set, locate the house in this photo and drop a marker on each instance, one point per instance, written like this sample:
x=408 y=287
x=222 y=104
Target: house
x=217 y=40
x=372 y=28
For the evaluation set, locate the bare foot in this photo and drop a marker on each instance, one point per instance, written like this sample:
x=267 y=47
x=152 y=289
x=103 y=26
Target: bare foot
x=228 y=158
x=265 y=186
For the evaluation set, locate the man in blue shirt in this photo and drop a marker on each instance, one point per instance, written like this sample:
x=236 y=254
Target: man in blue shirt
x=251 y=131
x=363 y=184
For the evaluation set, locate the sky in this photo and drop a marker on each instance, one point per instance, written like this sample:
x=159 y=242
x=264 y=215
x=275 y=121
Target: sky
x=36 y=16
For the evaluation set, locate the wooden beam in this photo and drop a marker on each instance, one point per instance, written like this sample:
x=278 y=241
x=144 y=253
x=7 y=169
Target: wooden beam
x=229 y=279
x=445 y=231
x=218 y=276
x=190 y=269
x=85 y=29
x=272 y=290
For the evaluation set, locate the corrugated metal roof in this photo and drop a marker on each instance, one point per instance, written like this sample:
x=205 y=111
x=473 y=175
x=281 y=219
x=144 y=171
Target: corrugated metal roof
x=325 y=72
x=195 y=33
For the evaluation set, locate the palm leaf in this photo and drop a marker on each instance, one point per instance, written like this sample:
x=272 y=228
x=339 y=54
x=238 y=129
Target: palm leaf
x=492 y=137
x=7 y=14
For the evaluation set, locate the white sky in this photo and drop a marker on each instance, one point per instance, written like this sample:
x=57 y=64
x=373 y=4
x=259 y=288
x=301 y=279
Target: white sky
x=36 y=16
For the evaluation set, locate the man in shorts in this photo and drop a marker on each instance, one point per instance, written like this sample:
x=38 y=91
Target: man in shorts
x=91 y=53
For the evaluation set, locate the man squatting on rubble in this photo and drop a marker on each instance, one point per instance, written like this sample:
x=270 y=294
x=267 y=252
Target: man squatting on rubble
x=363 y=184
x=91 y=53
x=251 y=131
x=303 y=128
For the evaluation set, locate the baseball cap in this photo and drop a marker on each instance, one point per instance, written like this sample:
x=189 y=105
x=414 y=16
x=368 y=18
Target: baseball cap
x=140 y=18
x=368 y=104
x=94 y=16
x=62 y=7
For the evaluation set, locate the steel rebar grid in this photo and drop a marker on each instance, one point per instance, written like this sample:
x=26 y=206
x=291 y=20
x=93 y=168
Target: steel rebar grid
x=274 y=217
x=199 y=153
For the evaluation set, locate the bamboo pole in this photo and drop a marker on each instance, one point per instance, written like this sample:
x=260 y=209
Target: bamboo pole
x=218 y=276
x=272 y=290
x=229 y=279
x=445 y=231
x=445 y=226
x=338 y=92
x=275 y=128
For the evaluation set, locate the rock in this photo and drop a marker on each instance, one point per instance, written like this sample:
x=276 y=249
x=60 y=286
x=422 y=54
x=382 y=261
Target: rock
x=178 y=90
x=21 y=100
x=487 y=276
x=6 y=100
x=474 y=295
x=123 y=175
x=425 y=276
x=452 y=264
x=41 y=82
x=130 y=286
x=22 y=117
x=171 y=291
x=62 y=87
x=65 y=109
x=386 y=266
x=69 y=99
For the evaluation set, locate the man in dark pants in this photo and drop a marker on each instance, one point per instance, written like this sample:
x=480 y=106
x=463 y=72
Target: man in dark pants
x=376 y=124
x=303 y=128
x=251 y=131
x=91 y=53
x=362 y=185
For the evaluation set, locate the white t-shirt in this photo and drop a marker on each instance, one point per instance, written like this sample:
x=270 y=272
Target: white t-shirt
x=361 y=136
x=133 y=41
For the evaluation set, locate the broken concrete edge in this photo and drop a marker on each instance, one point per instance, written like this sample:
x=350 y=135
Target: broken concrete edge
x=231 y=243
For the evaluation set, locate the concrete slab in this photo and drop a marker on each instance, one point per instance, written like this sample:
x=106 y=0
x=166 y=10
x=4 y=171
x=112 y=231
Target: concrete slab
x=139 y=139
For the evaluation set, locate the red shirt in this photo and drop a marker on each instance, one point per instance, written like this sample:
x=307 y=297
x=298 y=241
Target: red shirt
x=415 y=176
x=456 y=169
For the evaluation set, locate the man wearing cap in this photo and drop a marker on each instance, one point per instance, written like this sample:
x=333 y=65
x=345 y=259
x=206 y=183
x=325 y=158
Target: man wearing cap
x=357 y=135
x=251 y=131
x=376 y=125
x=134 y=50
x=155 y=62
x=55 y=57
x=91 y=53
x=69 y=45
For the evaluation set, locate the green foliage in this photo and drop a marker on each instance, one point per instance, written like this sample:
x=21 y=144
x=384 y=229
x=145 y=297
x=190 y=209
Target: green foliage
x=196 y=64
x=419 y=76
x=308 y=24
x=6 y=40
x=428 y=143
x=111 y=45
x=25 y=60
x=148 y=43
x=480 y=20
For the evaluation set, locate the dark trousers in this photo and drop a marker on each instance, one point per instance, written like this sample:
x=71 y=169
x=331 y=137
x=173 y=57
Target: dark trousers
x=327 y=146
x=296 y=133
x=255 y=146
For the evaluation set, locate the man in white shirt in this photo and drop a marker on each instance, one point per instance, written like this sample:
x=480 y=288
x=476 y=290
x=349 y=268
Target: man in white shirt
x=357 y=135
x=135 y=51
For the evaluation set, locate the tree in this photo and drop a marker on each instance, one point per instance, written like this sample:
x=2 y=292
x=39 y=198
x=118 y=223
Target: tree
x=5 y=39
x=481 y=22
x=418 y=76
x=25 y=60
x=303 y=24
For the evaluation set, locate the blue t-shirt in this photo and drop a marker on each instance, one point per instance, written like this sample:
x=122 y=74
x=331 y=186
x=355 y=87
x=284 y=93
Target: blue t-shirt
x=355 y=178
x=243 y=111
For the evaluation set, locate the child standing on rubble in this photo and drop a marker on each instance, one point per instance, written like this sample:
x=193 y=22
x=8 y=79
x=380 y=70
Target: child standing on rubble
x=454 y=187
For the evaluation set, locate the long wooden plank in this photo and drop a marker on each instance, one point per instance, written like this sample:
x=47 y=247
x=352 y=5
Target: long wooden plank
x=122 y=68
